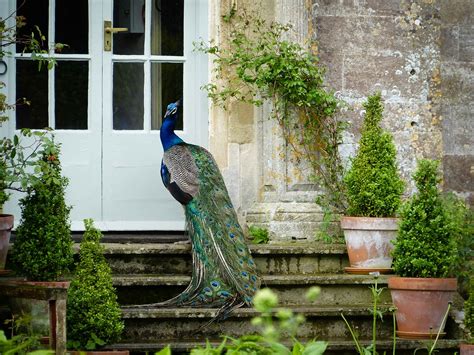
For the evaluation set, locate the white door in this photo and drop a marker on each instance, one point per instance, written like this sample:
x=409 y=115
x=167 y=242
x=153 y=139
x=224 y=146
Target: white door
x=106 y=104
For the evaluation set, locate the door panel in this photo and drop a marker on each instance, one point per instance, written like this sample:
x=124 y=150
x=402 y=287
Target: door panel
x=106 y=106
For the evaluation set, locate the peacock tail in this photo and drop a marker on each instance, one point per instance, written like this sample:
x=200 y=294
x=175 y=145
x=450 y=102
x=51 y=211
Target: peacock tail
x=223 y=266
x=224 y=274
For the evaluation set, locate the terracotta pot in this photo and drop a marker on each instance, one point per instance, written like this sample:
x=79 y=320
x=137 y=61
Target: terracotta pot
x=421 y=305
x=467 y=349
x=369 y=243
x=97 y=352
x=6 y=225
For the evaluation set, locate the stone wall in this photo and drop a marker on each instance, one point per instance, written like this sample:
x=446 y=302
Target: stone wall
x=418 y=54
x=457 y=88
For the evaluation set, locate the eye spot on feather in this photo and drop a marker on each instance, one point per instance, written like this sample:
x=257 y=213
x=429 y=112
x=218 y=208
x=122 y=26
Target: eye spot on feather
x=248 y=299
x=223 y=294
x=245 y=274
x=253 y=278
x=215 y=284
x=232 y=235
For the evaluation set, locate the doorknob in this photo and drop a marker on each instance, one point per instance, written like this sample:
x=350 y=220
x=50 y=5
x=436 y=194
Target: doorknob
x=108 y=31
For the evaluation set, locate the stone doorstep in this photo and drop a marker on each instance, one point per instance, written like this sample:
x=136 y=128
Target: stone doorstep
x=291 y=289
x=245 y=312
x=298 y=248
x=267 y=280
x=334 y=346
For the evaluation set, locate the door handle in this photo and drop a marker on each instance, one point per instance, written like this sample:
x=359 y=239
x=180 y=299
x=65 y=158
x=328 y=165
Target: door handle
x=108 y=32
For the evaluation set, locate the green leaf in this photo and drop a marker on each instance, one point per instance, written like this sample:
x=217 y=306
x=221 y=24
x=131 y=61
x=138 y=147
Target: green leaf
x=164 y=351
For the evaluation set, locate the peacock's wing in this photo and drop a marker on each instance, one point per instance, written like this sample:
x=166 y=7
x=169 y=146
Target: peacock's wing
x=224 y=273
x=179 y=173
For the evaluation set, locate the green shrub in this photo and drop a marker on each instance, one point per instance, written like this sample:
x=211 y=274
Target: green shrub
x=93 y=313
x=259 y=235
x=373 y=184
x=469 y=312
x=463 y=223
x=425 y=244
x=42 y=250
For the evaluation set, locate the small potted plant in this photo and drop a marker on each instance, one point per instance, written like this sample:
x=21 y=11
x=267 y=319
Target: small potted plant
x=93 y=314
x=425 y=256
x=16 y=174
x=374 y=190
x=42 y=251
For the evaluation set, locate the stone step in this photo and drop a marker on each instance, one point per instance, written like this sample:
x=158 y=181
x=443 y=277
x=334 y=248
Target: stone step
x=337 y=289
x=335 y=346
x=271 y=259
x=148 y=325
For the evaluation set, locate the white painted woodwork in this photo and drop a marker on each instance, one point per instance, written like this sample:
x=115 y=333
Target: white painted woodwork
x=115 y=175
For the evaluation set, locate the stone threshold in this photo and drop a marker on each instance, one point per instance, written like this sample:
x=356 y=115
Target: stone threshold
x=267 y=280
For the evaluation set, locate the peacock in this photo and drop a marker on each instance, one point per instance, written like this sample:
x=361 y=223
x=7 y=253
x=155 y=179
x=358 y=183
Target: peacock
x=224 y=273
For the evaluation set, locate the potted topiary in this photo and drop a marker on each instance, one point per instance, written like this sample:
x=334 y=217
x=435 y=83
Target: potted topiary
x=93 y=313
x=425 y=255
x=17 y=163
x=42 y=251
x=374 y=190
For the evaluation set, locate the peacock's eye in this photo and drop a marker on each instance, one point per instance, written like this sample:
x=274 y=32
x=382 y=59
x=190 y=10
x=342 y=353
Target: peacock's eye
x=173 y=111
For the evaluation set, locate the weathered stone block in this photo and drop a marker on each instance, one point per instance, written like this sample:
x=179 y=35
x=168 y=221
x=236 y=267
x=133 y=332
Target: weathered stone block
x=449 y=43
x=466 y=43
x=458 y=172
x=366 y=74
x=458 y=128
x=457 y=82
x=457 y=11
x=360 y=35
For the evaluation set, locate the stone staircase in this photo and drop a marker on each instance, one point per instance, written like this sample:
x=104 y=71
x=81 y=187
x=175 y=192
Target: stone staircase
x=146 y=273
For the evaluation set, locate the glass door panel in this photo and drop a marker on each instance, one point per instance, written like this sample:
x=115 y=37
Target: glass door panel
x=128 y=96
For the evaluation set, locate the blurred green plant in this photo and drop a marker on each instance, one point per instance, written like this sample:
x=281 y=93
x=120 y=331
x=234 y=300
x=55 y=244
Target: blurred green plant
x=273 y=324
x=23 y=340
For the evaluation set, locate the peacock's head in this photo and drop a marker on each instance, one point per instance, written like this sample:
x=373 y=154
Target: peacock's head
x=172 y=109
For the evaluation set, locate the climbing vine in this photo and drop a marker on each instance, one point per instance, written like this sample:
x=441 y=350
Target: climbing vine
x=256 y=63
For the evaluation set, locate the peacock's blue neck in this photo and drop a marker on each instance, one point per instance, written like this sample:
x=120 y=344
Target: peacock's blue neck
x=167 y=135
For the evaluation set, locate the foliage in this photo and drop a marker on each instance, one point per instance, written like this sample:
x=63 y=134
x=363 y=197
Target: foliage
x=93 y=313
x=373 y=184
x=425 y=245
x=469 y=312
x=257 y=64
x=43 y=244
x=272 y=324
x=259 y=235
x=463 y=223
x=19 y=159
x=15 y=158
x=376 y=313
x=22 y=340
